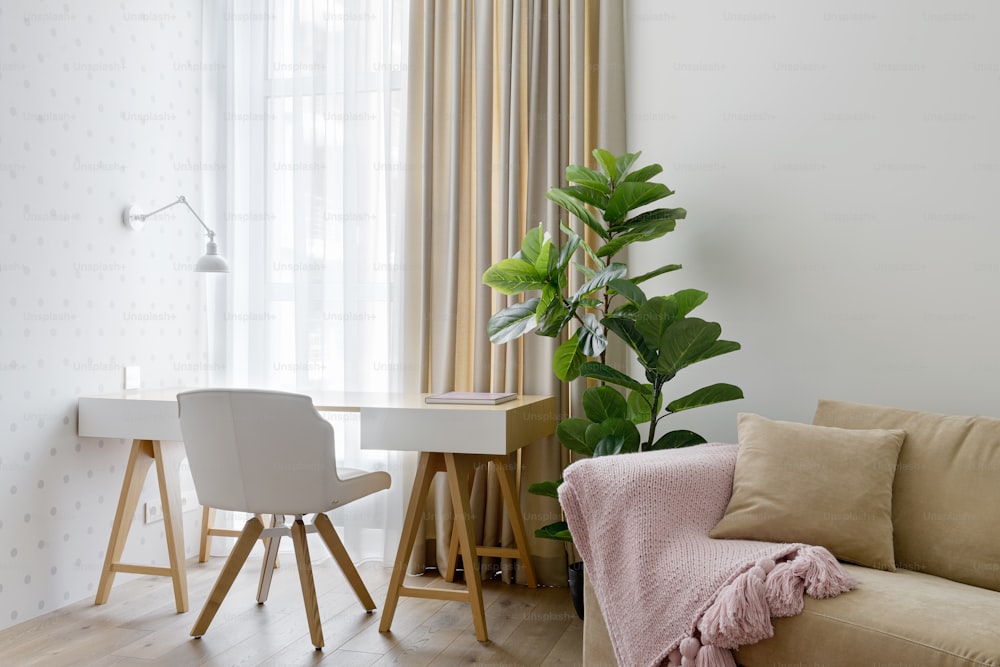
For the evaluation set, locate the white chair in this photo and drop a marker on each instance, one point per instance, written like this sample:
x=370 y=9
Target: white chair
x=269 y=452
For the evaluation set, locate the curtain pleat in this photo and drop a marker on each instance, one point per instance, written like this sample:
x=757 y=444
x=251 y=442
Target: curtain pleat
x=502 y=97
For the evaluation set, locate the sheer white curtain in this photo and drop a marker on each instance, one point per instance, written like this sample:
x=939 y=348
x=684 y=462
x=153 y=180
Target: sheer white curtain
x=303 y=111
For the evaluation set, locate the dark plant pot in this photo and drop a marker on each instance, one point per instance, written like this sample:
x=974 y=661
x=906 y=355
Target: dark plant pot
x=576 y=586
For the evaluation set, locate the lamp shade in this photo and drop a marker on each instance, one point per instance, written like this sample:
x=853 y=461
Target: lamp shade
x=211 y=261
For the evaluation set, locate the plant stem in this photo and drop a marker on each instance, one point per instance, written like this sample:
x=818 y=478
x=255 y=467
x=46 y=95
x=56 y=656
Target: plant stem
x=657 y=390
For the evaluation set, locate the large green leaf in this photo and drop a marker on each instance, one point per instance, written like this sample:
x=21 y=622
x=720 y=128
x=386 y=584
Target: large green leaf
x=683 y=342
x=592 y=339
x=607 y=163
x=600 y=403
x=605 y=373
x=639 y=409
x=618 y=436
x=572 y=433
x=666 y=268
x=652 y=217
x=630 y=196
x=676 y=439
x=548 y=489
x=587 y=195
x=626 y=330
x=643 y=174
x=687 y=300
x=602 y=278
x=624 y=162
x=567 y=359
x=554 y=318
x=629 y=290
x=646 y=233
x=512 y=322
x=595 y=180
x=719 y=347
x=653 y=318
x=555 y=531
x=710 y=395
x=575 y=207
x=532 y=244
x=513 y=276
x=573 y=242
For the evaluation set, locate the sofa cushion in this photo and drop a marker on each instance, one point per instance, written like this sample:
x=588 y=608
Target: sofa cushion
x=819 y=485
x=946 y=492
x=893 y=618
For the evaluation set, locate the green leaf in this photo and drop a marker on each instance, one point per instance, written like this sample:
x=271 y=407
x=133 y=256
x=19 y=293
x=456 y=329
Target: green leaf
x=630 y=196
x=554 y=318
x=719 y=347
x=595 y=180
x=571 y=204
x=643 y=174
x=607 y=163
x=604 y=373
x=666 y=268
x=639 y=409
x=619 y=436
x=602 y=278
x=653 y=318
x=676 y=439
x=687 y=300
x=587 y=195
x=647 y=233
x=710 y=395
x=567 y=359
x=600 y=403
x=572 y=433
x=587 y=272
x=592 y=339
x=532 y=244
x=512 y=322
x=626 y=330
x=624 y=162
x=652 y=217
x=573 y=242
x=555 y=531
x=513 y=276
x=684 y=342
x=629 y=290
x=548 y=489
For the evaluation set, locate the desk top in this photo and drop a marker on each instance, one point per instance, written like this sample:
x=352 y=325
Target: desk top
x=388 y=421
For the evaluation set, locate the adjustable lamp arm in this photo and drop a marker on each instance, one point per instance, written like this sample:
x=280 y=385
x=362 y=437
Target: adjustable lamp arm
x=211 y=262
x=181 y=199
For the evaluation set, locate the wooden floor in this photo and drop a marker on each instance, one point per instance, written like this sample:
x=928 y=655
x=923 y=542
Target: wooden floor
x=139 y=625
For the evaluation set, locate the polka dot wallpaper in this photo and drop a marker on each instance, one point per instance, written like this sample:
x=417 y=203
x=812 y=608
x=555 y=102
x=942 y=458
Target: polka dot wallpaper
x=99 y=107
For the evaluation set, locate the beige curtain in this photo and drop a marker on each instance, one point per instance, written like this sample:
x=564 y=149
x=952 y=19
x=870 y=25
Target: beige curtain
x=502 y=95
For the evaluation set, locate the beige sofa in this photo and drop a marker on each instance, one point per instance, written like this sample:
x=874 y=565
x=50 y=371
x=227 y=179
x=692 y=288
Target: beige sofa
x=941 y=607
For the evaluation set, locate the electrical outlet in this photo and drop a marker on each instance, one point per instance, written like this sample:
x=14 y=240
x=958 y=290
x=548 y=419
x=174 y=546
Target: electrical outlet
x=132 y=377
x=153 y=512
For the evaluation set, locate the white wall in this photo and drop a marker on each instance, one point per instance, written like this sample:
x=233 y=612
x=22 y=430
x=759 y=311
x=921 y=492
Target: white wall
x=840 y=162
x=100 y=107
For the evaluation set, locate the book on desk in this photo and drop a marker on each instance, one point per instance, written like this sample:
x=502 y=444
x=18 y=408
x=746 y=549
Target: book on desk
x=471 y=397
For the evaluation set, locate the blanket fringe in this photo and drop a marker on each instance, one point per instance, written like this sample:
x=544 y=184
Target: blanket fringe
x=742 y=611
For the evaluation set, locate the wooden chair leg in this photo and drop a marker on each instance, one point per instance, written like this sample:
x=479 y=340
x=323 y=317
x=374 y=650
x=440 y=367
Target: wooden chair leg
x=207 y=519
x=237 y=557
x=336 y=547
x=270 y=561
x=306 y=579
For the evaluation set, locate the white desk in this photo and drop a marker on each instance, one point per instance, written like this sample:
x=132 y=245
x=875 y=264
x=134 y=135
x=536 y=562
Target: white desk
x=450 y=438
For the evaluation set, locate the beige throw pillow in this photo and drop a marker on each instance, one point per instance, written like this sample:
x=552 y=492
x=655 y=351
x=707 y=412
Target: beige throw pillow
x=820 y=485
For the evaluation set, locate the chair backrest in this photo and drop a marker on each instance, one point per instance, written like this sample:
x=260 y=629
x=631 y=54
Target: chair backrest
x=258 y=451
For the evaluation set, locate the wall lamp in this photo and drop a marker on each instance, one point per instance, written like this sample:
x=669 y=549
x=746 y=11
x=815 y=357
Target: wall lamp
x=210 y=262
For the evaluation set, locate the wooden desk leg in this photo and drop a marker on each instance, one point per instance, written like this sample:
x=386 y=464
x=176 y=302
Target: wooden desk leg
x=428 y=464
x=448 y=572
x=509 y=492
x=140 y=458
x=458 y=467
x=168 y=457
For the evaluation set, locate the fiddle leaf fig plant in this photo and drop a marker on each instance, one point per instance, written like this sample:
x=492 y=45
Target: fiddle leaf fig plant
x=607 y=300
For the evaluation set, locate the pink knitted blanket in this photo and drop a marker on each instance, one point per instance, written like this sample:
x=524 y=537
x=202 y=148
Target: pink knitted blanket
x=670 y=594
